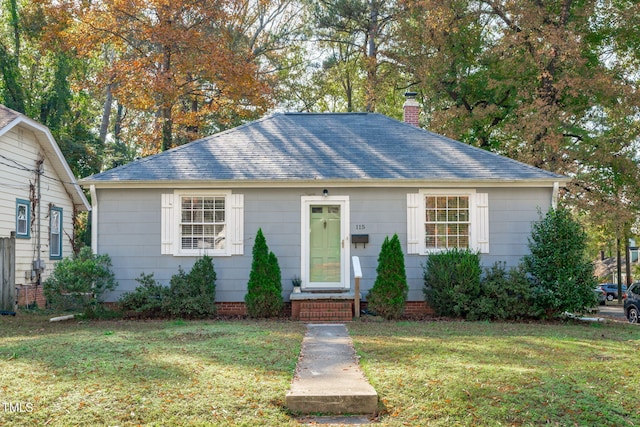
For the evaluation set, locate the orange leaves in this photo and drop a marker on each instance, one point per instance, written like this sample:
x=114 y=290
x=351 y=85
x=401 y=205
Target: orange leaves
x=177 y=56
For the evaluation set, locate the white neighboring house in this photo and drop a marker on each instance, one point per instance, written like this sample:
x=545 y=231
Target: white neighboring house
x=39 y=198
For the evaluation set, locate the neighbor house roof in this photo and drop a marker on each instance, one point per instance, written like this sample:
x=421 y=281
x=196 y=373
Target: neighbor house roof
x=10 y=119
x=352 y=148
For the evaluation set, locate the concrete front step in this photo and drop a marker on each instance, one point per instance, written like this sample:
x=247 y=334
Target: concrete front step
x=328 y=379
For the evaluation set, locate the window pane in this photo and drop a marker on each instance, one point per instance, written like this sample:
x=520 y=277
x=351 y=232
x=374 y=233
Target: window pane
x=55 y=222
x=22 y=220
x=447 y=222
x=431 y=202
x=202 y=225
x=55 y=245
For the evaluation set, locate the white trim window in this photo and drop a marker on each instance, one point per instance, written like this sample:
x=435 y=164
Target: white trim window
x=196 y=223
x=445 y=219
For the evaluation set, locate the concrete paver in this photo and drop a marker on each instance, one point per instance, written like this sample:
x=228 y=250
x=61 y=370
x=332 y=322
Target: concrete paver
x=328 y=378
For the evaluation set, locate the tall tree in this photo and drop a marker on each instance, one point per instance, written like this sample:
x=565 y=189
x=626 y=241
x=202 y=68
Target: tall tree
x=35 y=79
x=174 y=63
x=358 y=30
x=542 y=82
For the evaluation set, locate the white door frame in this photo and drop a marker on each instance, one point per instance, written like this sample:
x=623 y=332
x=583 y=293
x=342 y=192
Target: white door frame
x=345 y=269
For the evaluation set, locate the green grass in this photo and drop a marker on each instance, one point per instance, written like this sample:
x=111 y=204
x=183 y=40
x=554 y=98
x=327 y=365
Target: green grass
x=236 y=373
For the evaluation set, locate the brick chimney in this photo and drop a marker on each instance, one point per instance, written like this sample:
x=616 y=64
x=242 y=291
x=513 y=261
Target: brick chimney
x=411 y=109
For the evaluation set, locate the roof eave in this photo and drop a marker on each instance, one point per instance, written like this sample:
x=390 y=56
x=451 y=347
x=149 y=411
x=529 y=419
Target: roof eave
x=51 y=147
x=314 y=183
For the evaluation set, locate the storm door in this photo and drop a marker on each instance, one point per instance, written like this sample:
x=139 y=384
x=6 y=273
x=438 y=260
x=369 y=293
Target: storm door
x=324 y=244
x=325 y=256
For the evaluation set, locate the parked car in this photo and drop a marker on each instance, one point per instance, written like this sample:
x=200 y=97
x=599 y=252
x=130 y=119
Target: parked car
x=612 y=290
x=632 y=302
x=601 y=295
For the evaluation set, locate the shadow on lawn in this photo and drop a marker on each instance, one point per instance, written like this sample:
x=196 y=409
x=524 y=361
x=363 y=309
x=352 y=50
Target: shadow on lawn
x=137 y=352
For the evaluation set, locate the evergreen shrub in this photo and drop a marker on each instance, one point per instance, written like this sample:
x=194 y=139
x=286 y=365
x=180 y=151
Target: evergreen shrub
x=504 y=295
x=147 y=299
x=193 y=295
x=79 y=282
x=562 y=274
x=452 y=281
x=264 y=290
x=388 y=296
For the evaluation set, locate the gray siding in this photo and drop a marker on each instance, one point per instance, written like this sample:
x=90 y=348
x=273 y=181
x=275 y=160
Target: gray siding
x=129 y=231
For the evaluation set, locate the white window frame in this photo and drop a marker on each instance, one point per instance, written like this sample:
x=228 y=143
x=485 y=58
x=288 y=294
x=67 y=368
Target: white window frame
x=171 y=220
x=478 y=220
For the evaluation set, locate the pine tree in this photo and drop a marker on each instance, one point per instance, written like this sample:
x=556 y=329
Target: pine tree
x=264 y=290
x=389 y=293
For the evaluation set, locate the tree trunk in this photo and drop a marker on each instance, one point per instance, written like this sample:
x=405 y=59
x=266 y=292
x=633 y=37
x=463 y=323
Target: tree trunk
x=106 y=113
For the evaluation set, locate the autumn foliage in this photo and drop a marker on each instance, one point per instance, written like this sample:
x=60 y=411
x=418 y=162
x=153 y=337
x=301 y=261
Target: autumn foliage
x=175 y=63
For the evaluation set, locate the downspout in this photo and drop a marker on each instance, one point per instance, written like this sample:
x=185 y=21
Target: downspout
x=554 y=195
x=94 y=218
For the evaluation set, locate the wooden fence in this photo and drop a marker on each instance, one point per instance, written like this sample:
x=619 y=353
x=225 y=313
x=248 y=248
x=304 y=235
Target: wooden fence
x=7 y=273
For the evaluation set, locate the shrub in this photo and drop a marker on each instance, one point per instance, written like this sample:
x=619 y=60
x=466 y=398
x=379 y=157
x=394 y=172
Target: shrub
x=452 y=281
x=388 y=295
x=79 y=282
x=193 y=295
x=562 y=274
x=504 y=295
x=147 y=299
x=264 y=290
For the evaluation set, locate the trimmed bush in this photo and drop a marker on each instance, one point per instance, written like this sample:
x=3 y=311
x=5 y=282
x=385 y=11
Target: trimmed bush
x=452 y=281
x=79 y=282
x=264 y=290
x=388 y=295
x=147 y=299
x=504 y=295
x=561 y=272
x=193 y=295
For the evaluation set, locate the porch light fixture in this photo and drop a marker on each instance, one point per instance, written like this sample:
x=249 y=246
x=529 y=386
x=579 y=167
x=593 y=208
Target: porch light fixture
x=325 y=192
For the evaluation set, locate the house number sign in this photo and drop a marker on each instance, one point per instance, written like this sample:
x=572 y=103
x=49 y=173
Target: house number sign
x=360 y=227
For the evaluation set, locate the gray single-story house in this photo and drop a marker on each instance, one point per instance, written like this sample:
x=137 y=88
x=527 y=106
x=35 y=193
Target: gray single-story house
x=324 y=188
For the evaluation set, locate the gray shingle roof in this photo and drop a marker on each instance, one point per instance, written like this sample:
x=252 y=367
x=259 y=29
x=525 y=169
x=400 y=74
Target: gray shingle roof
x=7 y=115
x=333 y=146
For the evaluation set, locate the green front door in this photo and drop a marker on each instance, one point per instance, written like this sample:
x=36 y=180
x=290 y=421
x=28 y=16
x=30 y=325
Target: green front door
x=325 y=245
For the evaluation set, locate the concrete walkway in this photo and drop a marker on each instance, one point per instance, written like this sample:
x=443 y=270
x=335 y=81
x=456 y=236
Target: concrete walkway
x=328 y=379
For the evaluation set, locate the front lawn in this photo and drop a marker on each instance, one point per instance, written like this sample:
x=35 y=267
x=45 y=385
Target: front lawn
x=236 y=373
